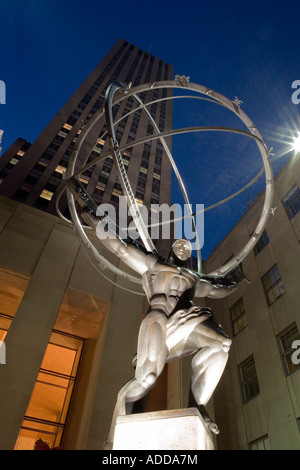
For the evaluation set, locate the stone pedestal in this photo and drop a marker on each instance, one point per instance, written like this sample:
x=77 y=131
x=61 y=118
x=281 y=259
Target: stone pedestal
x=182 y=429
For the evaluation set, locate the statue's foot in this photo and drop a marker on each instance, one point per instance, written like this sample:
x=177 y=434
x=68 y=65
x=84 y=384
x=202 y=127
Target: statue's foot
x=209 y=423
x=148 y=380
x=211 y=426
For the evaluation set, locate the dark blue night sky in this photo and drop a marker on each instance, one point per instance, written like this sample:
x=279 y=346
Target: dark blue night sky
x=244 y=49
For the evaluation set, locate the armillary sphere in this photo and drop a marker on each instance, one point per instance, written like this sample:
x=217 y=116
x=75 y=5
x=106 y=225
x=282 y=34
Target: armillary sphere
x=116 y=93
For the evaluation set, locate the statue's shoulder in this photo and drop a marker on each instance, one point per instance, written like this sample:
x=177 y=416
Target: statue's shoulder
x=152 y=261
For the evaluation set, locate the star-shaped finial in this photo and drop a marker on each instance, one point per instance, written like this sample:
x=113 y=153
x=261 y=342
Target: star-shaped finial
x=273 y=209
x=182 y=80
x=270 y=154
x=237 y=101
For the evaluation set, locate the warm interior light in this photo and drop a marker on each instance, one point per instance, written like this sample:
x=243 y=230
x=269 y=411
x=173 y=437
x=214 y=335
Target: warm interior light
x=296 y=143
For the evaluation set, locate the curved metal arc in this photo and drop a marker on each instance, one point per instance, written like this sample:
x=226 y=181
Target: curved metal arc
x=219 y=99
x=169 y=134
x=214 y=98
x=259 y=141
x=100 y=112
x=213 y=206
x=97 y=116
x=100 y=270
x=114 y=147
x=71 y=203
x=179 y=179
x=265 y=156
x=237 y=259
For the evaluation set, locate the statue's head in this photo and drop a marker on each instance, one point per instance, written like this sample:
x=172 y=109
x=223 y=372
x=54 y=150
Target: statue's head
x=180 y=252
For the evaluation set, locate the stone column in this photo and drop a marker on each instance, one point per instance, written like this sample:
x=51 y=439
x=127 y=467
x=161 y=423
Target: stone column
x=30 y=330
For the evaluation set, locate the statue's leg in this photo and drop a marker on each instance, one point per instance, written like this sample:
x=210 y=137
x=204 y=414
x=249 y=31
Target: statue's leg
x=152 y=350
x=191 y=334
x=131 y=392
x=151 y=358
x=208 y=366
x=209 y=362
x=207 y=369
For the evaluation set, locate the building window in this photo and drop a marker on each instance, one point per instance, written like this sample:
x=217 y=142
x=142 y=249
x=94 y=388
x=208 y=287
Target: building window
x=46 y=414
x=248 y=377
x=262 y=242
x=291 y=201
x=289 y=356
x=273 y=285
x=238 y=316
x=262 y=443
x=45 y=194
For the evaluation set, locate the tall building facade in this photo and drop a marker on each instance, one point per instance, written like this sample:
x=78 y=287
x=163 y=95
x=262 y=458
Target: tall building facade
x=70 y=333
x=257 y=402
x=32 y=174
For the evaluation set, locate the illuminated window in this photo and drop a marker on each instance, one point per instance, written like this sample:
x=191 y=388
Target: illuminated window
x=62 y=134
x=67 y=126
x=97 y=149
x=45 y=194
x=21 y=153
x=84 y=179
x=5 y=321
x=116 y=192
x=100 y=186
x=139 y=201
x=60 y=169
x=46 y=414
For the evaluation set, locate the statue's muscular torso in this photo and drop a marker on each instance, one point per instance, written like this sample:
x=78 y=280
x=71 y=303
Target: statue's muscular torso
x=167 y=287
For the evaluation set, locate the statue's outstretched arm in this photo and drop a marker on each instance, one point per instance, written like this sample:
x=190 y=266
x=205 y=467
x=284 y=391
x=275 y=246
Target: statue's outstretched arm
x=213 y=288
x=133 y=257
x=218 y=287
x=219 y=291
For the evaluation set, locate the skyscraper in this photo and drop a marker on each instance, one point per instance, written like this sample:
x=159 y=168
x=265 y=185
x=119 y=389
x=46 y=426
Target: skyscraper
x=32 y=174
x=70 y=335
x=51 y=293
